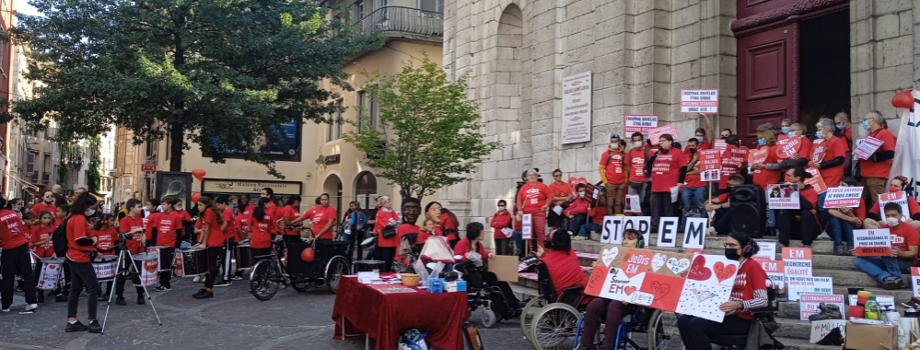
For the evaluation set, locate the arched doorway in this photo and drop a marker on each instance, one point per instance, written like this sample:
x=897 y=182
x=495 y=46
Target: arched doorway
x=333 y=186
x=365 y=189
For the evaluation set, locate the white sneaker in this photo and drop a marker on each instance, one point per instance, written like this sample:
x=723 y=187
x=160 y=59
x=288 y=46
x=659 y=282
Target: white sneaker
x=711 y=231
x=823 y=235
x=5 y=310
x=31 y=307
x=196 y=279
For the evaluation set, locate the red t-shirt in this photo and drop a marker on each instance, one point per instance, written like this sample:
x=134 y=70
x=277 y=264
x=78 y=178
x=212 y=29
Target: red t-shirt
x=692 y=180
x=723 y=198
x=323 y=217
x=597 y=215
x=215 y=234
x=38 y=208
x=77 y=228
x=560 y=189
x=764 y=177
x=126 y=225
x=564 y=270
x=41 y=233
x=848 y=137
x=828 y=150
x=636 y=157
x=17 y=231
x=614 y=166
x=666 y=170
x=168 y=226
x=811 y=195
x=534 y=197
x=903 y=237
x=290 y=213
x=750 y=278
x=464 y=246
x=105 y=240
x=383 y=218
x=248 y=209
x=912 y=207
x=731 y=156
x=262 y=232
x=869 y=168
x=500 y=220
x=241 y=222
x=27 y=231
x=227 y=216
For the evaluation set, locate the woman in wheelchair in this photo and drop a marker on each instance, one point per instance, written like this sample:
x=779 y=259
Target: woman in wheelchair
x=473 y=243
x=564 y=269
x=749 y=292
x=615 y=309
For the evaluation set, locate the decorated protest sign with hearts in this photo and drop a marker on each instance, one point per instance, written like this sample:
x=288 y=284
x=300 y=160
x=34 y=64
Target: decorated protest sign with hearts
x=636 y=261
x=698 y=270
x=608 y=255
x=678 y=266
x=658 y=261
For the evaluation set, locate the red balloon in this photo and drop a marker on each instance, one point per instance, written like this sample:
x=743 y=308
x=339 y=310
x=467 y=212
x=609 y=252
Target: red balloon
x=199 y=174
x=196 y=196
x=307 y=255
x=903 y=100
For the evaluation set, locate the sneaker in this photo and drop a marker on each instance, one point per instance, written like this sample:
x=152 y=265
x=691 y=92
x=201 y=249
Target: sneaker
x=141 y=300
x=5 y=311
x=839 y=250
x=162 y=289
x=237 y=278
x=203 y=294
x=103 y=298
x=94 y=327
x=891 y=283
x=823 y=235
x=75 y=327
x=224 y=283
x=120 y=300
x=197 y=279
x=31 y=307
x=579 y=238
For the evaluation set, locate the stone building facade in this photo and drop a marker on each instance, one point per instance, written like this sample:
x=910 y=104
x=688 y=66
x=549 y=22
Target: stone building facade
x=770 y=59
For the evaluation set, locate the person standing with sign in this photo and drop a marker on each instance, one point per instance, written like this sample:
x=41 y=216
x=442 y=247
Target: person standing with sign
x=844 y=220
x=904 y=242
x=874 y=220
x=874 y=170
x=800 y=158
x=532 y=199
x=749 y=292
x=828 y=155
x=768 y=171
x=667 y=170
x=613 y=173
x=731 y=165
x=635 y=167
x=693 y=193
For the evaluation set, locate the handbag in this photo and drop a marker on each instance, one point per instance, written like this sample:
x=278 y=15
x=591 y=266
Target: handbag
x=389 y=232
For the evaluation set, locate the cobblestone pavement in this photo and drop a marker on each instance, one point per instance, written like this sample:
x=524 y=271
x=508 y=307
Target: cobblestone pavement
x=232 y=320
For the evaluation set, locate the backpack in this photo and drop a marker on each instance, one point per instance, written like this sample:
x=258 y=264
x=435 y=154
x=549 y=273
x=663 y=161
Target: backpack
x=59 y=239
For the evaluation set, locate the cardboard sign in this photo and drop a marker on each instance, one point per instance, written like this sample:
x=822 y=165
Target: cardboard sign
x=678 y=282
x=799 y=286
x=527 y=226
x=667 y=232
x=839 y=197
x=915 y=280
x=632 y=205
x=897 y=197
x=639 y=123
x=866 y=148
x=710 y=164
x=719 y=144
x=612 y=230
x=695 y=233
x=758 y=157
x=789 y=148
x=655 y=134
x=50 y=276
x=875 y=242
x=808 y=304
x=767 y=251
x=699 y=101
x=775 y=274
x=816 y=180
x=820 y=329
x=504 y=267
x=783 y=196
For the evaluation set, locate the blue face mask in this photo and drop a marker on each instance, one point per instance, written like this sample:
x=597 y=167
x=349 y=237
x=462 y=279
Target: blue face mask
x=819 y=134
x=866 y=124
x=699 y=138
x=761 y=142
x=785 y=129
x=792 y=134
x=840 y=126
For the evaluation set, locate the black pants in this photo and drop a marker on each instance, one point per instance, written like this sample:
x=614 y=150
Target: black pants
x=83 y=274
x=503 y=246
x=135 y=278
x=229 y=254
x=660 y=205
x=696 y=332
x=789 y=228
x=14 y=262
x=259 y=254
x=453 y=243
x=291 y=239
x=511 y=302
x=386 y=254
x=552 y=219
x=213 y=266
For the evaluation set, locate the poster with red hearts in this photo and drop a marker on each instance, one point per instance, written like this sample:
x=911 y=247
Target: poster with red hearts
x=692 y=284
x=50 y=275
x=149 y=271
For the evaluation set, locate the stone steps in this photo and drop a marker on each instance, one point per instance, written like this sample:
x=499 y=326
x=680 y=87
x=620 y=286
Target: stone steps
x=712 y=242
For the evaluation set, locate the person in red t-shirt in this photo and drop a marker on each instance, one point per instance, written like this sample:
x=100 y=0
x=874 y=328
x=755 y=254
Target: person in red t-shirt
x=41 y=236
x=561 y=196
x=904 y=242
x=874 y=170
x=748 y=292
x=766 y=172
x=289 y=214
x=473 y=243
x=875 y=220
x=500 y=222
x=15 y=259
x=165 y=230
x=324 y=218
x=613 y=173
x=597 y=214
x=844 y=220
x=106 y=240
x=561 y=261
x=799 y=223
x=577 y=212
x=386 y=220
x=828 y=155
x=844 y=130
x=212 y=237
x=635 y=167
x=533 y=198
x=261 y=226
x=79 y=246
x=693 y=192
x=668 y=168
x=722 y=207
x=47 y=204
x=132 y=225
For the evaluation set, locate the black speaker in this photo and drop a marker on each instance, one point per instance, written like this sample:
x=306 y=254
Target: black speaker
x=748 y=211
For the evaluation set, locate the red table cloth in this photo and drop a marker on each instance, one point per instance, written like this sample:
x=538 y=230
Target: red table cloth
x=386 y=316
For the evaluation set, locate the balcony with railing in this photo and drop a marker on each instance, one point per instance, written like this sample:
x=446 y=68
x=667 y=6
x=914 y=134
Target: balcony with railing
x=405 y=22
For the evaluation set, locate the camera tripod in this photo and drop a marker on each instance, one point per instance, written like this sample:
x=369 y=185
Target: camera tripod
x=122 y=271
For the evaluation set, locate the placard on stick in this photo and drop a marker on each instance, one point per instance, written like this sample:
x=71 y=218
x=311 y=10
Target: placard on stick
x=710 y=165
x=699 y=101
x=527 y=226
x=875 y=242
x=639 y=123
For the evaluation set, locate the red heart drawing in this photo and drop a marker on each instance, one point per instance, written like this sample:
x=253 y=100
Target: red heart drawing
x=660 y=289
x=151 y=265
x=723 y=272
x=698 y=270
x=52 y=267
x=629 y=290
x=637 y=261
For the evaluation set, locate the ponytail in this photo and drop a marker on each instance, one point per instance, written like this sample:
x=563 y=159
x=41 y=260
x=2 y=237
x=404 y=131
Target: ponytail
x=222 y=199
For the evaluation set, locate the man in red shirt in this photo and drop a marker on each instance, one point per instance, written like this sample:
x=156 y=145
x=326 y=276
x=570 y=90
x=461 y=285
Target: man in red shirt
x=722 y=206
x=15 y=259
x=904 y=242
x=667 y=169
x=133 y=226
x=613 y=173
x=47 y=203
x=693 y=193
x=635 y=168
x=875 y=169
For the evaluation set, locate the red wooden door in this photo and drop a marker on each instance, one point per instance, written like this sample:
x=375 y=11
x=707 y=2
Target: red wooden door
x=767 y=80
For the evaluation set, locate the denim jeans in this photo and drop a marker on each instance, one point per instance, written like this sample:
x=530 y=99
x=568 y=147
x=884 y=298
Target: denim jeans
x=722 y=222
x=518 y=237
x=771 y=219
x=583 y=231
x=880 y=267
x=576 y=221
x=693 y=198
x=840 y=230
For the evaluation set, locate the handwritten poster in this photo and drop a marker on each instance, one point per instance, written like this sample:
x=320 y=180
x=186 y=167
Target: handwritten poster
x=808 y=304
x=684 y=283
x=789 y=148
x=149 y=269
x=527 y=226
x=710 y=165
x=866 y=148
x=820 y=329
x=655 y=134
x=50 y=276
x=897 y=197
x=576 y=108
x=875 y=242
x=639 y=123
x=783 y=196
x=699 y=101
x=839 y=197
x=799 y=286
x=776 y=277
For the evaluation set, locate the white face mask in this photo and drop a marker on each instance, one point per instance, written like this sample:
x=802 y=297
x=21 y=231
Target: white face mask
x=893 y=222
x=637 y=143
x=581 y=194
x=614 y=145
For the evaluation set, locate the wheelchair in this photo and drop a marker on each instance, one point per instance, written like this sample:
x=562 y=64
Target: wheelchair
x=764 y=315
x=558 y=324
x=480 y=294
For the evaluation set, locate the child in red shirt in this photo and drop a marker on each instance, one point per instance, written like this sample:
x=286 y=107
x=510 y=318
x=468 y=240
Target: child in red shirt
x=41 y=236
x=30 y=220
x=106 y=241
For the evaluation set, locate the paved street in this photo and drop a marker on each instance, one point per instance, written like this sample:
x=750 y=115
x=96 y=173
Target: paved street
x=232 y=320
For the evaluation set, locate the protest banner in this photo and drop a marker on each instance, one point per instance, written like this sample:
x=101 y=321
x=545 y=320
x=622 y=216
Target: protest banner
x=776 y=277
x=915 y=281
x=897 y=197
x=758 y=157
x=632 y=205
x=799 y=286
x=612 y=230
x=719 y=144
x=789 y=148
x=808 y=304
x=767 y=251
x=796 y=263
x=699 y=101
x=867 y=147
x=710 y=165
x=655 y=134
x=527 y=226
x=816 y=180
x=875 y=242
x=821 y=328
x=783 y=196
x=678 y=282
x=695 y=233
x=839 y=197
x=639 y=123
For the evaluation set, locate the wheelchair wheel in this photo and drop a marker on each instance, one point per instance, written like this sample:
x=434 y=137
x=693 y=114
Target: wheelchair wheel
x=555 y=326
x=662 y=331
x=527 y=314
x=489 y=318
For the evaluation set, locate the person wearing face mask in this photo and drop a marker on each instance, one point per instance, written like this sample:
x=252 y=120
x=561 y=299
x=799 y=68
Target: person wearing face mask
x=874 y=170
x=636 y=159
x=667 y=169
x=842 y=221
x=702 y=134
x=577 y=212
x=500 y=221
x=875 y=220
x=749 y=292
x=721 y=206
x=800 y=158
x=613 y=173
x=828 y=154
x=693 y=193
x=799 y=223
x=904 y=241
x=843 y=128
x=734 y=157
x=768 y=171
x=785 y=126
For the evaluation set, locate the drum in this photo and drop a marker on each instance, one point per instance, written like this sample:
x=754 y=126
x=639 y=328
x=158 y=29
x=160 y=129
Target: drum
x=167 y=256
x=369 y=242
x=49 y=278
x=194 y=262
x=149 y=265
x=368 y=265
x=105 y=267
x=243 y=256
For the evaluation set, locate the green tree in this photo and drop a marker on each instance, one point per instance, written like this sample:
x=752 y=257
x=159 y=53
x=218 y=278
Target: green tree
x=93 y=175
x=226 y=74
x=429 y=134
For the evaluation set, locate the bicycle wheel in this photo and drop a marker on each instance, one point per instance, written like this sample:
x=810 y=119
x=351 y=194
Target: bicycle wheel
x=662 y=331
x=263 y=281
x=337 y=267
x=554 y=327
x=527 y=314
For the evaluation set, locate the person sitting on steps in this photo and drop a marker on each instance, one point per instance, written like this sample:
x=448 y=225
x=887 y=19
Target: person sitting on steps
x=904 y=241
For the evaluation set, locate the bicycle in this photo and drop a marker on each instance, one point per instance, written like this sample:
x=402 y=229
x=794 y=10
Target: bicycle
x=273 y=272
